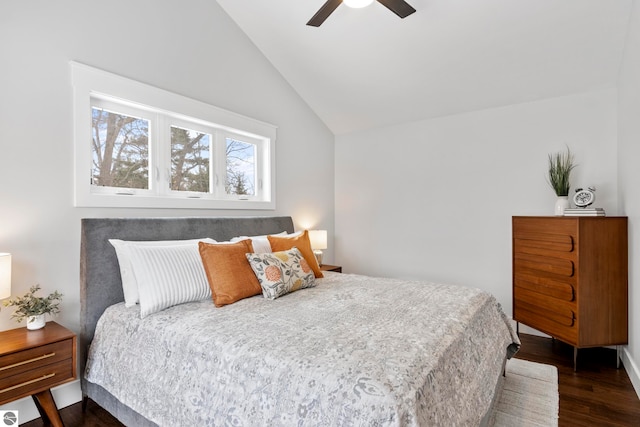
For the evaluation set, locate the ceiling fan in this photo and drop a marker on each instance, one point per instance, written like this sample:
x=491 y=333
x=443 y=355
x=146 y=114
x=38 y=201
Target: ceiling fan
x=399 y=7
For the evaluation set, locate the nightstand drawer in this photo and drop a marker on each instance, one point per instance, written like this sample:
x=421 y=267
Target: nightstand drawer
x=34 y=380
x=27 y=360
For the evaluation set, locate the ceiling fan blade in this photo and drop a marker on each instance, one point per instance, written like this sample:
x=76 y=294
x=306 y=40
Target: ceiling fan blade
x=324 y=12
x=399 y=7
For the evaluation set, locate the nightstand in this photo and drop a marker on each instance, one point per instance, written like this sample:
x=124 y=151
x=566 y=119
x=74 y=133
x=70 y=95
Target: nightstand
x=335 y=268
x=31 y=362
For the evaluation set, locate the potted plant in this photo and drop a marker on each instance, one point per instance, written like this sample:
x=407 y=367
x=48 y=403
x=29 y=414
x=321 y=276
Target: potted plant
x=33 y=308
x=560 y=167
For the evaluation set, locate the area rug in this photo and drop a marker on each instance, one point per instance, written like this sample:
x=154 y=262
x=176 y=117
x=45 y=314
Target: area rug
x=529 y=396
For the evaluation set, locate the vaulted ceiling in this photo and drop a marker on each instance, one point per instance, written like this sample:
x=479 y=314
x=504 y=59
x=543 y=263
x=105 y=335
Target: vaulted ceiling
x=366 y=68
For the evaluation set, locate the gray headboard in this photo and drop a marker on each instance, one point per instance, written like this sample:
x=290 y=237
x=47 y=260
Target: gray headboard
x=100 y=284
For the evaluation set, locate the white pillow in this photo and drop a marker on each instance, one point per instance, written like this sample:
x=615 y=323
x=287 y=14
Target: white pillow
x=168 y=276
x=129 y=285
x=260 y=244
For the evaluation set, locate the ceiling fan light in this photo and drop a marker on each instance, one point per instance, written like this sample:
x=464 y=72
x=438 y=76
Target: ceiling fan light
x=357 y=3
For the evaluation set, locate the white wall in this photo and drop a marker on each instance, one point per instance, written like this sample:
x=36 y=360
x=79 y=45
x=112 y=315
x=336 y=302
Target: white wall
x=433 y=199
x=190 y=47
x=629 y=177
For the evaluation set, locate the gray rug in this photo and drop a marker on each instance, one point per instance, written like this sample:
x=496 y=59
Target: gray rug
x=529 y=396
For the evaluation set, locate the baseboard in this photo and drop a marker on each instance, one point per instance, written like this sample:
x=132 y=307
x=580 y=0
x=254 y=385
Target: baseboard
x=64 y=395
x=632 y=370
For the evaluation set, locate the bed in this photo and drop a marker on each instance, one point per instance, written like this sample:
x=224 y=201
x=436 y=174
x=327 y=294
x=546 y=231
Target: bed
x=352 y=350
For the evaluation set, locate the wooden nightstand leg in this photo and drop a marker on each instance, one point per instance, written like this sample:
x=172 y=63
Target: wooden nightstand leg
x=47 y=408
x=41 y=411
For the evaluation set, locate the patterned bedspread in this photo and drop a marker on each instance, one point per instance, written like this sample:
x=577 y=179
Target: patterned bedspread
x=353 y=351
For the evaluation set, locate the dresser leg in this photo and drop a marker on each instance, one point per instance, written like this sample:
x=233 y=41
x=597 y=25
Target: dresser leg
x=47 y=408
x=575 y=359
x=617 y=357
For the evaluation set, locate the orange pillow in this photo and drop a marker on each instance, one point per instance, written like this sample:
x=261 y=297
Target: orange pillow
x=284 y=243
x=229 y=273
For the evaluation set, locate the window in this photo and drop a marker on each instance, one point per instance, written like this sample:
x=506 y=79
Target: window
x=120 y=149
x=190 y=160
x=139 y=146
x=241 y=167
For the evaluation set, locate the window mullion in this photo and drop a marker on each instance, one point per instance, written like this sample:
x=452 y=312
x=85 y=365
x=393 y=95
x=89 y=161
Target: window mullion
x=259 y=171
x=160 y=156
x=219 y=165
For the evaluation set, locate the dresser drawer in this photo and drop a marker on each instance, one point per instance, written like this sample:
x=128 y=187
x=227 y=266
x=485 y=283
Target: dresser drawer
x=544 y=225
x=545 y=264
x=533 y=242
x=35 y=380
x=555 y=324
x=561 y=290
x=544 y=302
x=26 y=360
x=563 y=315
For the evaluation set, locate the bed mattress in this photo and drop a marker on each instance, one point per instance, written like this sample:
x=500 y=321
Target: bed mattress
x=354 y=350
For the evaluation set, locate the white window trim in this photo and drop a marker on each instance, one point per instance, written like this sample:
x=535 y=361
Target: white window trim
x=91 y=82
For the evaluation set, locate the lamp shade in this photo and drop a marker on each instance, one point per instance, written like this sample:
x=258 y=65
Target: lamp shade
x=318 y=239
x=5 y=275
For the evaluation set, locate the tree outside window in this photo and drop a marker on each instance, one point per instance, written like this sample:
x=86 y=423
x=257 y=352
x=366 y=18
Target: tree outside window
x=241 y=167
x=120 y=148
x=190 y=160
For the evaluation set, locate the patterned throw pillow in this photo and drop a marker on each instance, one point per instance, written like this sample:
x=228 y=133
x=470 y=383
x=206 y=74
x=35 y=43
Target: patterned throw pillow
x=281 y=272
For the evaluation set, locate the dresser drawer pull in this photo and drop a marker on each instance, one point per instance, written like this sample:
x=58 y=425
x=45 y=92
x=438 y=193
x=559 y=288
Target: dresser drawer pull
x=24 y=362
x=44 y=377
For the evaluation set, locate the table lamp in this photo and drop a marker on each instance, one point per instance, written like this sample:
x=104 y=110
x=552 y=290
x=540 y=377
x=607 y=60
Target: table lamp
x=5 y=275
x=318 y=239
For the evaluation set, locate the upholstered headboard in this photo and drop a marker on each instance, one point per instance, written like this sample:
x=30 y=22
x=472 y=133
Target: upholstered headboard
x=100 y=284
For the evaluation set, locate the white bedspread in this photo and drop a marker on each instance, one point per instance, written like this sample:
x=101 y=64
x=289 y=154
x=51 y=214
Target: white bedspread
x=354 y=351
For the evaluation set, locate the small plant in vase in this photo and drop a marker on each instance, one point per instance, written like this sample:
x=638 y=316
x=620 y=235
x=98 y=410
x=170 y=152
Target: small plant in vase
x=560 y=167
x=33 y=308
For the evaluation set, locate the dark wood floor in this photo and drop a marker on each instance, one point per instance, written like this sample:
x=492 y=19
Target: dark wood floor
x=597 y=395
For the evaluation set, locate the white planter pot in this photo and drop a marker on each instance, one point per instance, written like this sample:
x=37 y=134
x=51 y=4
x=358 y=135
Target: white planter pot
x=562 y=203
x=35 y=322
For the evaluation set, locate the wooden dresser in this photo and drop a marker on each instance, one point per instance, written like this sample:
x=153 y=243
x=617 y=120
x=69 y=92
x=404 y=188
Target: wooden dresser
x=570 y=278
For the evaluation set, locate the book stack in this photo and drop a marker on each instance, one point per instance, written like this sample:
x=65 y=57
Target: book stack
x=584 y=212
